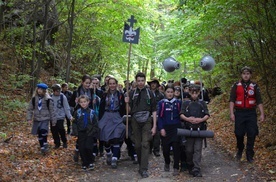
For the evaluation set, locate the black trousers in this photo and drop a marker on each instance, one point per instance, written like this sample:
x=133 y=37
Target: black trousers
x=246 y=123
x=86 y=145
x=58 y=132
x=166 y=152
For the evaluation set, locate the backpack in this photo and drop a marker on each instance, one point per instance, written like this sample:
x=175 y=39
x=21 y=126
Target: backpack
x=48 y=101
x=92 y=112
x=201 y=126
x=163 y=107
x=33 y=102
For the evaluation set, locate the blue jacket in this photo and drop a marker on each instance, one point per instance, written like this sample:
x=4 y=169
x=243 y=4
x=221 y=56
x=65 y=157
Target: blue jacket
x=168 y=112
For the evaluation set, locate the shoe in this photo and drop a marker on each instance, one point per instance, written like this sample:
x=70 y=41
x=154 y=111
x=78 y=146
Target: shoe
x=83 y=168
x=114 y=163
x=44 y=149
x=144 y=174
x=167 y=167
x=197 y=174
x=250 y=159
x=91 y=167
x=135 y=161
x=191 y=172
x=238 y=155
x=156 y=153
x=64 y=145
x=183 y=167
x=56 y=146
x=175 y=172
x=76 y=156
x=108 y=159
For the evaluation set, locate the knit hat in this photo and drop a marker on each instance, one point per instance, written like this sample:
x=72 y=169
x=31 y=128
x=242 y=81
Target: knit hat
x=42 y=86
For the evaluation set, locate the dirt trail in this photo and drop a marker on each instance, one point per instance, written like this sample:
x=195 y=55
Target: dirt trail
x=216 y=166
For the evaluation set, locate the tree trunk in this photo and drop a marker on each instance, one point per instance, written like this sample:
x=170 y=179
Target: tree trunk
x=71 y=29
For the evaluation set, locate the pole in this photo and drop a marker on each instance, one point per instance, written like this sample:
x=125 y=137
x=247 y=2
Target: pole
x=127 y=89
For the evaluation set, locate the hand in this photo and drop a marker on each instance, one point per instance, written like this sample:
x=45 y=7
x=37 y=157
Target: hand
x=262 y=118
x=153 y=130
x=232 y=117
x=126 y=99
x=30 y=122
x=163 y=132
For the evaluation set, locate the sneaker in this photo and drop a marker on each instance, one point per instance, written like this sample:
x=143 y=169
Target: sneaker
x=83 y=168
x=167 y=167
x=135 y=161
x=197 y=174
x=175 y=172
x=144 y=174
x=76 y=156
x=108 y=159
x=114 y=163
x=64 y=145
x=44 y=149
x=91 y=167
x=238 y=155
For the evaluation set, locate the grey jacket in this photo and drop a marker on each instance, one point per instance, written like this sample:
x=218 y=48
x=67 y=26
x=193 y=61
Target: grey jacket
x=63 y=109
x=44 y=114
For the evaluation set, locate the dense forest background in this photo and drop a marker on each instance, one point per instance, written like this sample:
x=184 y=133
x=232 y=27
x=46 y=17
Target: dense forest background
x=60 y=40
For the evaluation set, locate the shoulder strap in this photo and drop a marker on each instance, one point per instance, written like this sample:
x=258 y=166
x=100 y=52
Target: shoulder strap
x=78 y=113
x=162 y=109
x=48 y=103
x=61 y=99
x=33 y=102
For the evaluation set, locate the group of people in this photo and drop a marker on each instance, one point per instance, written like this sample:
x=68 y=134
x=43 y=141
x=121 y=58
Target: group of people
x=95 y=115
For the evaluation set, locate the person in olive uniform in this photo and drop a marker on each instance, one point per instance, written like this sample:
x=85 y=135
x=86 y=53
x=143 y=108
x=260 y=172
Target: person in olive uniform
x=142 y=104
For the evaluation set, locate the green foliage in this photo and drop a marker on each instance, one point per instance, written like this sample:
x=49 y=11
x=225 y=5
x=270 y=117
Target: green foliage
x=18 y=81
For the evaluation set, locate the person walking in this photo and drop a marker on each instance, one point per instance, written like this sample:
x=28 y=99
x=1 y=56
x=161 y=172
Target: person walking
x=142 y=105
x=168 y=122
x=112 y=109
x=40 y=113
x=245 y=97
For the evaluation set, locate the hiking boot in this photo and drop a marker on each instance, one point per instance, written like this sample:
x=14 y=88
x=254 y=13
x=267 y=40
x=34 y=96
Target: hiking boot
x=175 y=172
x=238 y=155
x=249 y=159
x=144 y=174
x=108 y=159
x=91 y=167
x=83 y=168
x=114 y=163
x=156 y=153
x=56 y=146
x=76 y=156
x=197 y=174
x=64 y=145
x=167 y=167
x=183 y=167
x=135 y=161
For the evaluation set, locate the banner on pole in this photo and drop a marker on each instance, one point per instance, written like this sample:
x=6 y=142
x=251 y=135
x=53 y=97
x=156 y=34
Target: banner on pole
x=130 y=35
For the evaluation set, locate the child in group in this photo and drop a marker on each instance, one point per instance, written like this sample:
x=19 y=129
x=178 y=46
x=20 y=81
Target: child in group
x=195 y=114
x=40 y=112
x=85 y=127
x=62 y=110
x=112 y=109
x=168 y=122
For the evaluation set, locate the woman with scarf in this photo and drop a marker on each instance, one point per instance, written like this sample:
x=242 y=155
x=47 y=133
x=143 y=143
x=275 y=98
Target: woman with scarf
x=112 y=109
x=168 y=122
